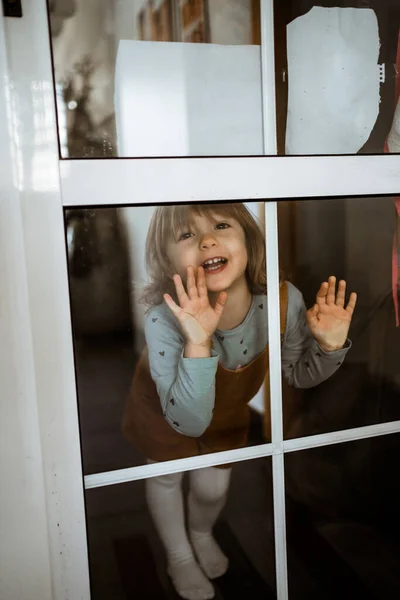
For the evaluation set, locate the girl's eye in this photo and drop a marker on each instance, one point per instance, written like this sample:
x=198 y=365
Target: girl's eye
x=222 y=225
x=185 y=236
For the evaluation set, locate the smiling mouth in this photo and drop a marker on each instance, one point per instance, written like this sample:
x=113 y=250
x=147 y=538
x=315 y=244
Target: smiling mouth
x=214 y=265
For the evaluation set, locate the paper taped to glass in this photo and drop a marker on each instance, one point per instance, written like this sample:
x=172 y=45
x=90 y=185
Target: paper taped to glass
x=334 y=87
x=186 y=99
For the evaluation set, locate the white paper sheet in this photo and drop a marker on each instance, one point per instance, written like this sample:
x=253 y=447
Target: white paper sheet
x=188 y=99
x=334 y=90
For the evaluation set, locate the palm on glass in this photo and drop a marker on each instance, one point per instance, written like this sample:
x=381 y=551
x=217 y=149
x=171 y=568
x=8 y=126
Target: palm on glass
x=329 y=320
x=197 y=317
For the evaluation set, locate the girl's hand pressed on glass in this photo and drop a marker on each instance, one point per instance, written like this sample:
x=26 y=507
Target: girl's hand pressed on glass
x=329 y=320
x=195 y=314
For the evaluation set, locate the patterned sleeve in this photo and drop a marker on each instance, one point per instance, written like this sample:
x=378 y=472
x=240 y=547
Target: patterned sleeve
x=304 y=363
x=186 y=386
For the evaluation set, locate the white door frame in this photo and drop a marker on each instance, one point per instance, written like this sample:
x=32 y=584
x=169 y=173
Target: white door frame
x=36 y=342
x=42 y=503
x=23 y=520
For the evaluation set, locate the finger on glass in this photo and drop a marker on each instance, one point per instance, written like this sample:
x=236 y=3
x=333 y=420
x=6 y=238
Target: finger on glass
x=340 y=296
x=191 y=283
x=180 y=290
x=171 y=304
x=220 y=304
x=330 y=296
x=201 y=283
x=321 y=294
x=352 y=303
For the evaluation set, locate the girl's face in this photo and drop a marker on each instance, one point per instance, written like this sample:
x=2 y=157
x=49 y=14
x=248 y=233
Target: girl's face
x=217 y=244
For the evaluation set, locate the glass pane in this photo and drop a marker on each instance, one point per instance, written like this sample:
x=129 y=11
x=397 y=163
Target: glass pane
x=157 y=77
x=129 y=560
x=342 y=521
x=351 y=239
x=153 y=385
x=338 y=76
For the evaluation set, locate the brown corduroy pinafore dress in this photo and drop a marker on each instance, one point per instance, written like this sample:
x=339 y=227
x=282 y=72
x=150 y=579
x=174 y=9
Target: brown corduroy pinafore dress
x=146 y=427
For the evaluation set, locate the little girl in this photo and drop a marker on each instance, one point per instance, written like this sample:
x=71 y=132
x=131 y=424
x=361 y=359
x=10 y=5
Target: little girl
x=206 y=358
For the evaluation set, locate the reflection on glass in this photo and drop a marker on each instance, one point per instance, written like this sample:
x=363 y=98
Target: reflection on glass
x=205 y=329
x=137 y=535
x=342 y=520
x=178 y=380
x=351 y=238
x=123 y=89
x=170 y=325
x=338 y=76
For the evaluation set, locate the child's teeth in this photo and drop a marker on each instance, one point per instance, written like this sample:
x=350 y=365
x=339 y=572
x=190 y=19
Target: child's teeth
x=213 y=266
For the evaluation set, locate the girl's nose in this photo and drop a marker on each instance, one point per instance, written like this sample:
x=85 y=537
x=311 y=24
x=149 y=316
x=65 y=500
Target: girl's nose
x=207 y=241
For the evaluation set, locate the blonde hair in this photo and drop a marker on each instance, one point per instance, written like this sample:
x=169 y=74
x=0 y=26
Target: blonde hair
x=168 y=220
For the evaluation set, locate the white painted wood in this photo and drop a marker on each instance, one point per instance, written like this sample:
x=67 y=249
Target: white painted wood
x=274 y=337
x=42 y=423
x=272 y=265
x=98 y=182
x=176 y=466
x=45 y=405
x=268 y=76
x=278 y=478
x=337 y=437
x=209 y=460
x=24 y=552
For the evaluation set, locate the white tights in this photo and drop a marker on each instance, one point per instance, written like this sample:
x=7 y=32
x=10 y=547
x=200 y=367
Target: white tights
x=207 y=496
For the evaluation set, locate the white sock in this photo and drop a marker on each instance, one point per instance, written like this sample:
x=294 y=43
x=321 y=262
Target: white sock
x=165 y=501
x=208 y=492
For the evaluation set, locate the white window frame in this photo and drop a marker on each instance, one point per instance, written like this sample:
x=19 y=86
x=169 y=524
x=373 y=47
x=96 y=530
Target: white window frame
x=42 y=186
